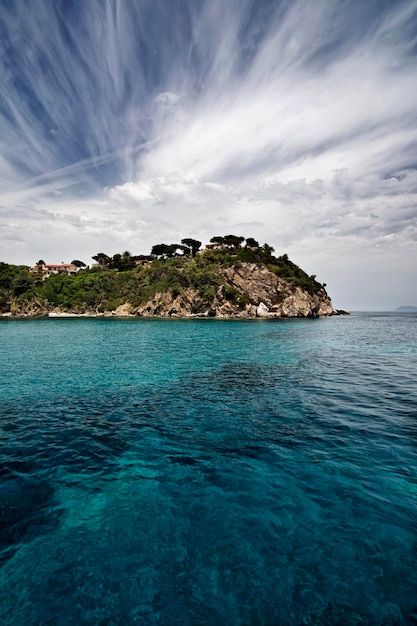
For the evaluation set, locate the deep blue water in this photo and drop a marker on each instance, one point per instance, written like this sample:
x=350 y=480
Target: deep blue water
x=209 y=472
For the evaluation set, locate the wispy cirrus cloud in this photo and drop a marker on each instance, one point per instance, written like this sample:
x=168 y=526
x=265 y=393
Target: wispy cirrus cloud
x=132 y=122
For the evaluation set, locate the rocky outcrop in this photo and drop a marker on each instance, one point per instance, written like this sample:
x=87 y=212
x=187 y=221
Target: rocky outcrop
x=168 y=304
x=256 y=292
x=124 y=310
x=30 y=308
x=273 y=296
x=258 y=282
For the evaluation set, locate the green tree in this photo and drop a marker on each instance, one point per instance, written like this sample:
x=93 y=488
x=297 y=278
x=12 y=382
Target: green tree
x=128 y=262
x=172 y=250
x=101 y=258
x=22 y=284
x=268 y=250
x=160 y=250
x=251 y=243
x=122 y=262
x=116 y=261
x=193 y=244
x=78 y=263
x=164 y=250
x=233 y=241
x=186 y=251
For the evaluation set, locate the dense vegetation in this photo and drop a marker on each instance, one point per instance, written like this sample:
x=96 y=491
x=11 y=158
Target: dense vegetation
x=118 y=279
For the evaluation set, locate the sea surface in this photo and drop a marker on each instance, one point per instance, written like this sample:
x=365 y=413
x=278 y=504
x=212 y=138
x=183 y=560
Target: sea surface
x=209 y=472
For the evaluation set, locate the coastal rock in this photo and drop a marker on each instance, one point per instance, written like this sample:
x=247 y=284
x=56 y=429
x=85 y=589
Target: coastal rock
x=303 y=304
x=169 y=304
x=31 y=308
x=258 y=282
x=256 y=292
x=273 y=296
x=262 y=310
x=124 y=310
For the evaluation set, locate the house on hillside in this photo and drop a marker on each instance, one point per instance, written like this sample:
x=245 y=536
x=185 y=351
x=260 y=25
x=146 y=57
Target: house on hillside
x=47 y=269
x=142 y=259
x=216 y=246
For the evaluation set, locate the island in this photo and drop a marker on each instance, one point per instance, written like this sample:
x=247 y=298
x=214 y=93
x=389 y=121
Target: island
x=231 y=277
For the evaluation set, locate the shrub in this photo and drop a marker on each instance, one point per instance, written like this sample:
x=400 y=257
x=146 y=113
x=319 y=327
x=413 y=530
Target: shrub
x=243 y=300
x=231 y=294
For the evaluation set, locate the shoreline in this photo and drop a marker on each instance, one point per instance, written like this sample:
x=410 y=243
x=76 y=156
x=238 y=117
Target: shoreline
x=115 y=315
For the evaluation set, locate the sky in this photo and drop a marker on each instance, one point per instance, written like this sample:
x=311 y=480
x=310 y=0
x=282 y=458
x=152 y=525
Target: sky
x=125 y=123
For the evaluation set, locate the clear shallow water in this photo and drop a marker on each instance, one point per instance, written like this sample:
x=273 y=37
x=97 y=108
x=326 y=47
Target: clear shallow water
x=209 y=472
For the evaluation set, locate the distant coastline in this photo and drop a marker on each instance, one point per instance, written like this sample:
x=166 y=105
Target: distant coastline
x=406 y=308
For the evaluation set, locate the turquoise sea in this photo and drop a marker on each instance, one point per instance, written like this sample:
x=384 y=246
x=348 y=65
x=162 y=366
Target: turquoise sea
x=209 y=472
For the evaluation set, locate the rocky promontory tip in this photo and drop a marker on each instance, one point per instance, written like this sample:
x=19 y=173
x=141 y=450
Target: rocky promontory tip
x=225 y=280
x=258 y=292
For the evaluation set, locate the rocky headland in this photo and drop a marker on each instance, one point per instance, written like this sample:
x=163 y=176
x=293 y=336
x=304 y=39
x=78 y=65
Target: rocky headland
x=266 y=295
x=226 y=282
x=260 y=293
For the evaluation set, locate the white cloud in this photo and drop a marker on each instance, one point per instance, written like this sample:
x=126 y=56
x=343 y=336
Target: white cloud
x=167 y=98
x=298 y=129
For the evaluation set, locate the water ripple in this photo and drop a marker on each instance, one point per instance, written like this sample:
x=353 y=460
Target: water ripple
x=267 y=476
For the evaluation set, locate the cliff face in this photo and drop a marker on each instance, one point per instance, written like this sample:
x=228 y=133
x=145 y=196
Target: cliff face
x=273 y=296
x=257 y=292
